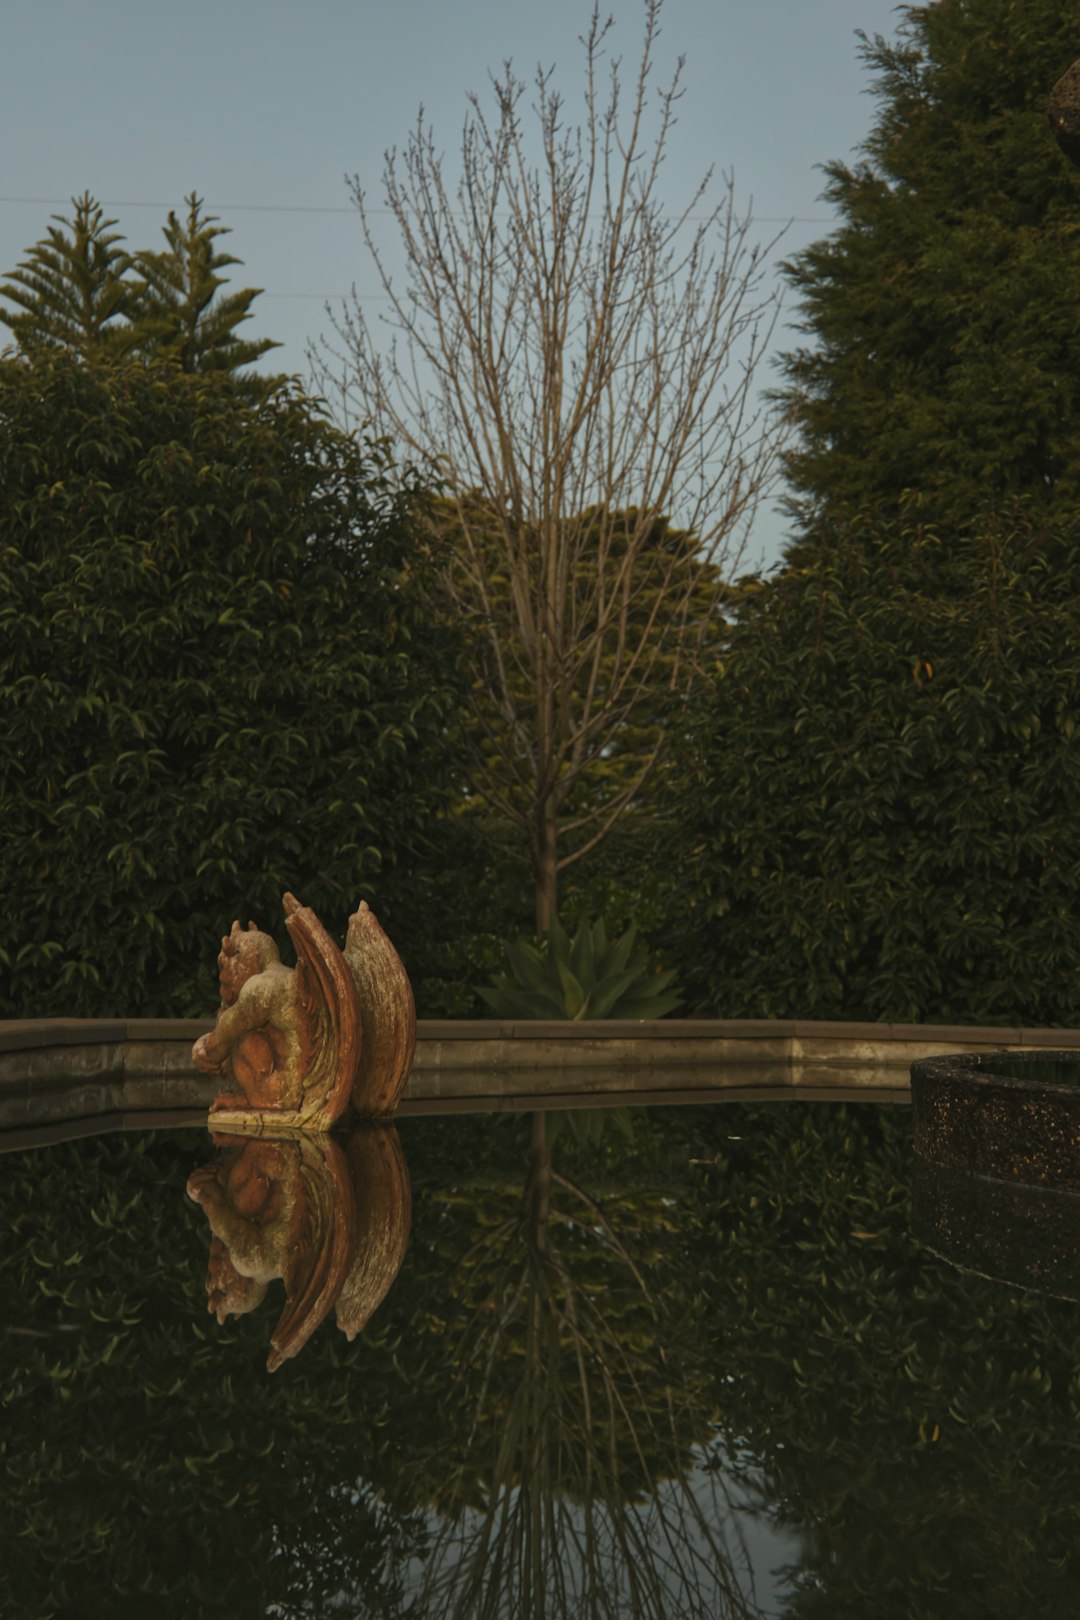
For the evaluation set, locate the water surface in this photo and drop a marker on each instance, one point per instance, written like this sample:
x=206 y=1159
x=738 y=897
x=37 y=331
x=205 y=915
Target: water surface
x=669 y=1362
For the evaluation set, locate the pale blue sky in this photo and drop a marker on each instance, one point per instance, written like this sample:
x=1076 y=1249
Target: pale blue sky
x=264 y=106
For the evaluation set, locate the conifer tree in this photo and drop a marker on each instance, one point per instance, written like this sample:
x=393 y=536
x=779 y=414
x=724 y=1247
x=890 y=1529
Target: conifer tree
x=178 y=304
x=943 y=312
x=70 y=290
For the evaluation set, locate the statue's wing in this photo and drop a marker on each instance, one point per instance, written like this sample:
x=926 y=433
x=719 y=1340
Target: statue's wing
x=387 y=1012
x=328 y=991
x=322 y=1243
x=380 y=1180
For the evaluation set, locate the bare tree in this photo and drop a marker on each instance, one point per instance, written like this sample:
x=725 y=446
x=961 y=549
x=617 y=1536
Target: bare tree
x=576 y=365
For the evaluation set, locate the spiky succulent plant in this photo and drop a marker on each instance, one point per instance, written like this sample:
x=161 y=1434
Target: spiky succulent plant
x=587 y=977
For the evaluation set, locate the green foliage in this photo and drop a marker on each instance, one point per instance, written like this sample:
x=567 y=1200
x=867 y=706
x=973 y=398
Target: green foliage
x=77 y=290
x=220 y=678
x=178 y=309
x=942 y=311
x=883 y=811
x=70 y=291
x=587 y=977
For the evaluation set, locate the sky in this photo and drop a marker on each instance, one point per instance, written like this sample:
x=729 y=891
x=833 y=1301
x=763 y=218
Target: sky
x=265 y=107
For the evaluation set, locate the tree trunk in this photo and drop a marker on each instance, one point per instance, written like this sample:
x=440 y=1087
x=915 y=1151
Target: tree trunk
x=545 y=867
x=538 y=1192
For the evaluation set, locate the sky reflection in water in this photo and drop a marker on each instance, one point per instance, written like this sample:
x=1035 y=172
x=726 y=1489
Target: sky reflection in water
x=693 y=1363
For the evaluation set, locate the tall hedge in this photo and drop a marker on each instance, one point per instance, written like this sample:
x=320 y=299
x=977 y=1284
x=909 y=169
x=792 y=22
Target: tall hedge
x=219 y=679
x=883 y=817
x=942 y=347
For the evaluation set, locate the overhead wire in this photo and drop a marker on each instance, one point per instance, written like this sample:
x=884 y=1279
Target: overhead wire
x=312 y=208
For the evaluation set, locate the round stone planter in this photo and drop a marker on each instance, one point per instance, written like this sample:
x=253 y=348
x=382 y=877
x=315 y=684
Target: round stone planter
x=1028 y=1237
x=1011 y=1116
x=997 y=1169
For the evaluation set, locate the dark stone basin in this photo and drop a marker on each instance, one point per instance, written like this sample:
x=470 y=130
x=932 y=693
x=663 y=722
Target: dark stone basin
x=1005 y=1116
x=1009 y=1232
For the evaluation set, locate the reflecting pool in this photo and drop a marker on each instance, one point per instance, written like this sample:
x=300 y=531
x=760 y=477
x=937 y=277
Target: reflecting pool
x=653 y=1362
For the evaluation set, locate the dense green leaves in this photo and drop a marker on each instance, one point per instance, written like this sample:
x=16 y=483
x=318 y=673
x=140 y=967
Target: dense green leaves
x=883 y=811
x=941 y=314
x=219 y=679
x=881 y=815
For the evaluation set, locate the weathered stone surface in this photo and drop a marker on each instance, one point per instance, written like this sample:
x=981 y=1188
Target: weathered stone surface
x=1028 y=1237
x=299 y=1046
x=287 y=1040
x=387 y=1014
x=1064 y=113
x=1011 y=1116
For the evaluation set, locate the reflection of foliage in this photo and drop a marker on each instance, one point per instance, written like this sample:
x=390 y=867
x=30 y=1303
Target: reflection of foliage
x=575 y=1406
x=136 y=1428
x=586 y=977
x=146 y=1455
x=147 y=1458
x=918 y=1424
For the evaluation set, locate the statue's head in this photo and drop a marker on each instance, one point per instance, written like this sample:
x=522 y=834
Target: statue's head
x=244 y=952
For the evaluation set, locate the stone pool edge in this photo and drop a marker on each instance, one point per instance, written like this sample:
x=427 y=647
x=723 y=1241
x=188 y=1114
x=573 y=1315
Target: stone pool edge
x=65 y=1069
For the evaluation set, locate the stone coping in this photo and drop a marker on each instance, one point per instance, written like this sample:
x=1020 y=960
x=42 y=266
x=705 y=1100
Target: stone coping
x=23 y=1034
x=54 y=1070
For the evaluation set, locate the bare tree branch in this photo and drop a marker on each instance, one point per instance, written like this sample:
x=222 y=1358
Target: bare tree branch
x=575 y=364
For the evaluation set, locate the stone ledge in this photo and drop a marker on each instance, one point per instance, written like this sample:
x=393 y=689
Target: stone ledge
x=22 y=1034
x=57 y=1069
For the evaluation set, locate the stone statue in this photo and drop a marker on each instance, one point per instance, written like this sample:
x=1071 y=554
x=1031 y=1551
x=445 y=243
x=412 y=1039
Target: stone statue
x=299 y=1046
x=331 y=1221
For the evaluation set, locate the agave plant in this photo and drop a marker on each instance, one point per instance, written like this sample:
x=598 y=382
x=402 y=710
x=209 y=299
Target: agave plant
x=587 y=977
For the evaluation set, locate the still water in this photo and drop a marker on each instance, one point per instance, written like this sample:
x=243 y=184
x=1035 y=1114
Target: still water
x=667 y=1362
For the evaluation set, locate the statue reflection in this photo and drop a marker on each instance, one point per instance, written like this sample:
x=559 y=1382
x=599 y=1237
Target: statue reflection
x=329 y=1218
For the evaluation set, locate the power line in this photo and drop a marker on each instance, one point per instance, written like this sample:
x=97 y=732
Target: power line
x=304 y=208
x=330 y=298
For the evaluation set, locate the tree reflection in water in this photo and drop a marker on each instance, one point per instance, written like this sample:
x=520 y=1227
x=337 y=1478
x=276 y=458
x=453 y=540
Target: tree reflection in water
x=575 y=1486
x=508 y=1408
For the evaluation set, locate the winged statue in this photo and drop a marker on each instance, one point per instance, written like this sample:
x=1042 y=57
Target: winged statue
x=299 y=1047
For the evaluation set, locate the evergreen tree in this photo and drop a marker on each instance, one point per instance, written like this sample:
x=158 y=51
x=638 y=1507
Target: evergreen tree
x=945 y=308
x=881 y=815
x=178 y=301
x=70 y=291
